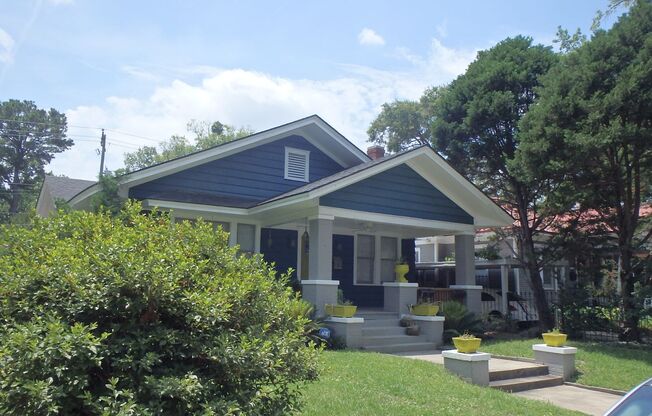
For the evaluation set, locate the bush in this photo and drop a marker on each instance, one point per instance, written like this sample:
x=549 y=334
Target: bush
x=459 y=320
x=136 y=315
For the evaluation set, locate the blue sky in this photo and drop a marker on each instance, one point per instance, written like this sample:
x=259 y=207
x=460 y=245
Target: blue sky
x=147 y=67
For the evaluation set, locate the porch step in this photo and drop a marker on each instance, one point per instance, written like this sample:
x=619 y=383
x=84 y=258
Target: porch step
x=394 y=348
x=375 y=323
x=529 y=371
x=377 y=331
x=526 y=383
x=401 y=339
x=376 y=314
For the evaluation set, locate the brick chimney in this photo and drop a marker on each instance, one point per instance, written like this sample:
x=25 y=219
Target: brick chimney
x=376 y=152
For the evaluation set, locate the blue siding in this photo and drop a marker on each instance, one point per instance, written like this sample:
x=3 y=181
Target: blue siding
x=280 y=247
x=252 y=175
x=398 y=191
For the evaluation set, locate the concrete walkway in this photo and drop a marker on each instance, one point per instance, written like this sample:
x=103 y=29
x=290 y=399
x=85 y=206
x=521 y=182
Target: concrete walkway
x=570 y=397
x=586 y=401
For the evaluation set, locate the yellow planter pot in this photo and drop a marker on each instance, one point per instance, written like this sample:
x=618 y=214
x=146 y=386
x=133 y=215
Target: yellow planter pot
x=554 y=340
x=425 y=310
x=341 y=311
x=401 y=270
x=467 y=345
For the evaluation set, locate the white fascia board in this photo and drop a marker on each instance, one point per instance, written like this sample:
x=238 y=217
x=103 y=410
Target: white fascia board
x=452 y=227
x=84 y=195
x=341 y=139
x=186 y=206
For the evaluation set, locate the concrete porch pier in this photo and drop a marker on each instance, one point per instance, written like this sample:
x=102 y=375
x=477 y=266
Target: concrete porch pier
x=465 y=272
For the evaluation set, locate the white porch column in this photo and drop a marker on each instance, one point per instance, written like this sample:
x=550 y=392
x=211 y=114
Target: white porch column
x=320 y=288
x=504 y=285
x=320 y=246
x=465 y=271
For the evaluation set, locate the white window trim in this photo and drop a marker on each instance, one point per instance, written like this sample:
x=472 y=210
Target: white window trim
x=306 y=153
x=377 y=260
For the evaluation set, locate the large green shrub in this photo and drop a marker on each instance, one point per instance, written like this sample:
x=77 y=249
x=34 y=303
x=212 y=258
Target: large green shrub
x=136 y=315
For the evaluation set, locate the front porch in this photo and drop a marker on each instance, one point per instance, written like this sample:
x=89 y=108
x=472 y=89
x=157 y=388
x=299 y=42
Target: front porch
x=356 y=252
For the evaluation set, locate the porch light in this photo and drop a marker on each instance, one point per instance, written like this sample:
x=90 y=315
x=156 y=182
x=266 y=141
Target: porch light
x=269 y=239
x=305 y=238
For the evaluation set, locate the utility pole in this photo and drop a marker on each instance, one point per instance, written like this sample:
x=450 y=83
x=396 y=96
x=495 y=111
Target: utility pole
x=103 y=151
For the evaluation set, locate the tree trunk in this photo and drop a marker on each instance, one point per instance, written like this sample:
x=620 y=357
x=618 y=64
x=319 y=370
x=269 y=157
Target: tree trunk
x=14 y=202
x=546 y=318
x=630 y=330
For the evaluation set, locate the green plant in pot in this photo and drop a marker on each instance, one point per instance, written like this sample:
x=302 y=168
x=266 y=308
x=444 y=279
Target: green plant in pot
x=467 y=343
x=401 y=269
x=343 y=309
x=425 y=309
x=554 y=338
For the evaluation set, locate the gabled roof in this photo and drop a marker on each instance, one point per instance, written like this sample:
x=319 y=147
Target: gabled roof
x=65 y=188
x=423 y=160
x=313 y=128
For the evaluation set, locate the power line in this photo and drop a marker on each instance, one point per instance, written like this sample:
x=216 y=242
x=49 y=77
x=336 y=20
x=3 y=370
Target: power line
x=78 y=126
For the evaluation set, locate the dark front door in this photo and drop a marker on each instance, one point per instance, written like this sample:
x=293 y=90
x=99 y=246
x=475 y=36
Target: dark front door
x=280 y=247
x=343 y=269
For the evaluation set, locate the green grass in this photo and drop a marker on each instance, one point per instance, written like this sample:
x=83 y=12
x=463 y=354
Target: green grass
x=359 y=383
x=613 y=366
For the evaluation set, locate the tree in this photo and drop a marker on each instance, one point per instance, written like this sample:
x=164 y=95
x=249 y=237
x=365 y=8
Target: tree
x=206 y=135
x=29 y=139
x=591 y=132
x=476 y=127
x=402 y=125
x=136 y=315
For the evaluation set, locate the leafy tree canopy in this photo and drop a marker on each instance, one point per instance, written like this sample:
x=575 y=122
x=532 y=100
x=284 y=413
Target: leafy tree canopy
x=29 y=139
x=206 y=135
x=405 y=124
x=591 y=131
x=476 y=126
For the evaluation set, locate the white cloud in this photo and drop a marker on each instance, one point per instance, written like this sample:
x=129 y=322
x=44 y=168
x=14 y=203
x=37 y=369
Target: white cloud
x=6 y=47
x=259 y=100
x=370 y=37
x=442 y=29
x=61 y=2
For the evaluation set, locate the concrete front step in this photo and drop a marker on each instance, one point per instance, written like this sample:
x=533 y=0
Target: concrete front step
x=395 y=348
x=393 y=340
x=379 y=331
x=528 y=370
x=527 y=383
x=369 y=323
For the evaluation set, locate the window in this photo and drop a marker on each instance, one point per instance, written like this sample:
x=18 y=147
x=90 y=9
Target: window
x=365 y=258
x=246 y=237
x=417 y=255
x=388 y=254
x=297 y=164
x=225 y=225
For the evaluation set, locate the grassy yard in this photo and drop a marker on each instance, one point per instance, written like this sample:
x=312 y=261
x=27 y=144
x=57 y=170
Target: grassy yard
x=358 y=383
x=604 y=365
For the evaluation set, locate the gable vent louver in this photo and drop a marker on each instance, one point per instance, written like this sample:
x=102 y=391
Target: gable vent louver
x=297 y=164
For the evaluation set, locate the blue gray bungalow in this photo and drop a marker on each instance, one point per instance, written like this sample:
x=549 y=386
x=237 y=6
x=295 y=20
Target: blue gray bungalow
x=307 y=198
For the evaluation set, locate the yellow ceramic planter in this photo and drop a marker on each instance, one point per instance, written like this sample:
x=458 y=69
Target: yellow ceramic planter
x=467 y=345
x=341 y=311
x=401 y=270
x=425 y=310
x=554 y=340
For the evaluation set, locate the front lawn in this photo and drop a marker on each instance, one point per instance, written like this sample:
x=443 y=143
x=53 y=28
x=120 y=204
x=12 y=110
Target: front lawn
x=607 y=365
x=360 y=383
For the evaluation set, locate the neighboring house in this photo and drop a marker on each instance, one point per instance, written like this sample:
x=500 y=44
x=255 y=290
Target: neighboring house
x=307 y=198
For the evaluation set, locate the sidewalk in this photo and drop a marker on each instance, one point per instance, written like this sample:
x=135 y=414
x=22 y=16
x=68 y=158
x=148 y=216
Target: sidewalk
x=586 y=401
x=570 y=397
